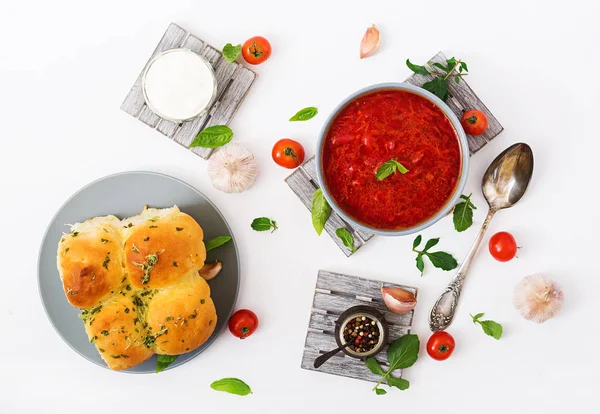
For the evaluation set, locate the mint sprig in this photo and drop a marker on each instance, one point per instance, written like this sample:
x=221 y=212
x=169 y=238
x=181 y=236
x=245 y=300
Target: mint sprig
x=463 y=213
x=388 y=168
x=491 y=328
x=264 y=224
x=439 y=85
x=441 y=260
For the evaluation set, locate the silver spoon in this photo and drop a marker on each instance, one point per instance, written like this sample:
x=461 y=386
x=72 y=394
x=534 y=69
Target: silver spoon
x=503 y=184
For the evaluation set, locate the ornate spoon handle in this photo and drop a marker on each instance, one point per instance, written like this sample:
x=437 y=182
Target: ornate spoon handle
x=442 y=312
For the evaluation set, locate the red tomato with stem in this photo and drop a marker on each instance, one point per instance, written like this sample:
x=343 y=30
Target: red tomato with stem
x=256 y=50
x=288 y=153
x=440 y=345
x=474 y=122
x=243 y=323
x=503 y=246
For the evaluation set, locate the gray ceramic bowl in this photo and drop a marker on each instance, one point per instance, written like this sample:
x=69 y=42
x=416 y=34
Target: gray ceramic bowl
x=125 y=195
x=464 y=148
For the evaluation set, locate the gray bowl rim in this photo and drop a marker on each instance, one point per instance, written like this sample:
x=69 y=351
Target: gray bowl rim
x=464 y=147
x=215 y=334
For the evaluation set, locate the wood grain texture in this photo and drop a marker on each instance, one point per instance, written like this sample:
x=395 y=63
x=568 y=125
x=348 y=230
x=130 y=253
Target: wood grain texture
x=462 y=97
x=334 y=293
x=304 y=183
x=233 y=83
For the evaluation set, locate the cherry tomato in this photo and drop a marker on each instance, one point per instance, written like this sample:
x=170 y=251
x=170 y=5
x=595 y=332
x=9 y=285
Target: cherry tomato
x=474 y=122
x=503 y=246
x=440 y=345
x=243 y=323
x=256 y=50
x=288 y=153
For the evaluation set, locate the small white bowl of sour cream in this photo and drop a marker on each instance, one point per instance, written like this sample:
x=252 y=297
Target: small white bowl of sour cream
x=179 y=85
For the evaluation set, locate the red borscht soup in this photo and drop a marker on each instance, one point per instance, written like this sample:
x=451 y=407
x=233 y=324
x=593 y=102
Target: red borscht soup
x=380 y=126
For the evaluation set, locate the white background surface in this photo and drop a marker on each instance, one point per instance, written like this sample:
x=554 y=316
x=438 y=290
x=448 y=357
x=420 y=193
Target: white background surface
x=65 y=68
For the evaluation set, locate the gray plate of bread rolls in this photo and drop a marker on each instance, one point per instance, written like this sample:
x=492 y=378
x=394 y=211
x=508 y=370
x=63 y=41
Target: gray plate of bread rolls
x=119 y=272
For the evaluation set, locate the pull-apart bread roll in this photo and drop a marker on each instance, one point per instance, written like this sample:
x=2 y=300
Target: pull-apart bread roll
x=137 y=282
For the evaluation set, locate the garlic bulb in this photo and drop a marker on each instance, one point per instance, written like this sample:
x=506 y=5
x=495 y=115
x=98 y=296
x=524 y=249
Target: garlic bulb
x=398 y=300
x=538 y=298
x=370 y=42
x=232 y=169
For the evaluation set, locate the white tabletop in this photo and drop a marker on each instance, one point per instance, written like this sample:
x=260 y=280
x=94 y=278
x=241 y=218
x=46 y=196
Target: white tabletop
x=65 y=67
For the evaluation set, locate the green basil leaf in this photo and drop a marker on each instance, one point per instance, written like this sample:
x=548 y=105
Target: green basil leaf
x=491 y=328
x=305 y=114
x=232 y=386
x=421 y=70
x=399 y=383
x=420 y=263
x=476 y=317
x=442 y=260
x=163 y=361
x=403 y=352
x=451 y=62
x=346 y=238
x=380 y=391
x=463 y=65
x=462 y=216
x=438 y=87
x=320 y=211
x=440 y=66
x=213 y=137
x=374 y=366
x=230 y=52
x=216 y=242
x=264 y=224
x=417 y=241
x=388 y=168
x=430 y=243
x=457 y=79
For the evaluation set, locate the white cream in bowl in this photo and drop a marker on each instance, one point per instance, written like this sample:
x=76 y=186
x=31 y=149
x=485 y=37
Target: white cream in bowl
x=179 y=85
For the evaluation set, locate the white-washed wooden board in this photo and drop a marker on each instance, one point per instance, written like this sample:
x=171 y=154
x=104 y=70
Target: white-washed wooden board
x=334 y=293
x=233 y=83
x=303 y=181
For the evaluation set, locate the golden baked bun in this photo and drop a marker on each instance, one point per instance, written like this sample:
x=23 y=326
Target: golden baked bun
x=89 y=261
x=185 y=312
x=168 y=236
x=137 y=282
x=118 y=333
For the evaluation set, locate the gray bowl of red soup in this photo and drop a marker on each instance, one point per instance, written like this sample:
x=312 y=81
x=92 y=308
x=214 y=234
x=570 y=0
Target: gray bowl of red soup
x=392 y=159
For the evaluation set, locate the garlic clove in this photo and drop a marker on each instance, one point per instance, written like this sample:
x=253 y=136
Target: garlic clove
x=210 y=270
x=370 y=42
x=398 y=300
x=232 y=169
x=538 y=298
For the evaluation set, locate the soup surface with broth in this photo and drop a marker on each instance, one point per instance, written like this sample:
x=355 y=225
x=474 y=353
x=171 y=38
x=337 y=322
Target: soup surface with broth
x=380 y=126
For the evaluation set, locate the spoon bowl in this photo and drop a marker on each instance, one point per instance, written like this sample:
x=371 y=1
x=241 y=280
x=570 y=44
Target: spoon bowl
x=508 y=176
x=503 y=185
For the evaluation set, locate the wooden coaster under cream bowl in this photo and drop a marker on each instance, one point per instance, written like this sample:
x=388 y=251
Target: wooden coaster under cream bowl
x=233 y=81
